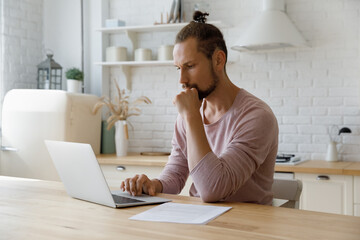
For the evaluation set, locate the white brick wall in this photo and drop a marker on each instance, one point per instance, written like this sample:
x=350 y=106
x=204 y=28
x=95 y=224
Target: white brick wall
x=309 y=89
x=1 y=60
x=21 y=39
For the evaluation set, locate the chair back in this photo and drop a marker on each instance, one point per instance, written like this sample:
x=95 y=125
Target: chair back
x=287 y=189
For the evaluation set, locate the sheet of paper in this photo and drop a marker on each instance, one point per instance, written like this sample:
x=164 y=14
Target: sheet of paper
x=181 y=213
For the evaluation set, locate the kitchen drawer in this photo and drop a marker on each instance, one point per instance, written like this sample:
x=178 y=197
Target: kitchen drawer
x=357 y=210
x=357 y=190
x=327 y=193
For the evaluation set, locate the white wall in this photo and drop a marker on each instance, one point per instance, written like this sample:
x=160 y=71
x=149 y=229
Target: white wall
x=62 y=32
x=30 y=27
x=1 y=58
x=95 y=11
x=21 y=43
x=308 y=89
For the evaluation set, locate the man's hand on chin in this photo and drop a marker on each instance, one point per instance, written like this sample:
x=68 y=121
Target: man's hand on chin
x=187 y=102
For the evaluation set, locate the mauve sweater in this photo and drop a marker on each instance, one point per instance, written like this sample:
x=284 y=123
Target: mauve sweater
x=240 y=168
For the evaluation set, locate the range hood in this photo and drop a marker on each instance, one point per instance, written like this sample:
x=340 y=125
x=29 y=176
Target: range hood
x=272 y=29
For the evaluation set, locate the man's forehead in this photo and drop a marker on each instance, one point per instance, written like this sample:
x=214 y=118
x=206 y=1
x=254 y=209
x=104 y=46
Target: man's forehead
x=190 y=43
x=186 y=52
x=186 y=58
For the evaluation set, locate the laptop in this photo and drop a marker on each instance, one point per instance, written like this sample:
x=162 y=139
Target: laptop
x=83 y=179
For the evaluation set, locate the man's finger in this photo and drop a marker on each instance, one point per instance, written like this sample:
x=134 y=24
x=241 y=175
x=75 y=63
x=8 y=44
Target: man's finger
x=122 y=186
x=132 y=183
x=139 y=184
x=127 y=185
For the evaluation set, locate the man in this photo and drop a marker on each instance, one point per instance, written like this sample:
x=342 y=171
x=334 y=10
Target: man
x=224 y=137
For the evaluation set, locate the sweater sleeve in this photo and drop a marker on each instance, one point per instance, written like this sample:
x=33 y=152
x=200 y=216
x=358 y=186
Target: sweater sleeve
x=219 y=177
x=176 y=171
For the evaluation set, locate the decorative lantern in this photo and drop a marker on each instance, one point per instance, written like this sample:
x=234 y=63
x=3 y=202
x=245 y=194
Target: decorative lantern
x=49 y=74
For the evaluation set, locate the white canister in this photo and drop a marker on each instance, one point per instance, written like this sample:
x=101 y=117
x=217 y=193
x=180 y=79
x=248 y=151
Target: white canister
x=143 y=54
x=165 y=52
x=113 y=23
x=332 y=153
x=116 y=54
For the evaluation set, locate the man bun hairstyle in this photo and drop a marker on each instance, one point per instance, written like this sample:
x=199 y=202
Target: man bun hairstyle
x=209 y=38
x=200 y=17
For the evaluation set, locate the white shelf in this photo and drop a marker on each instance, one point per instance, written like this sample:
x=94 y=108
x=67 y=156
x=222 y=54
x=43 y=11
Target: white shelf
x=152 y=28
x=131 y=33
x=140 y=63
x=136 y=63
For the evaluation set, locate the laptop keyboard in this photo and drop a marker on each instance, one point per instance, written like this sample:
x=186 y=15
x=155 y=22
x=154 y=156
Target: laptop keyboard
x=119 y=199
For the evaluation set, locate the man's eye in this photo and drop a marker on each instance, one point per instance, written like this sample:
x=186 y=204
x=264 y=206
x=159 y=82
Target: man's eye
x=190 y=66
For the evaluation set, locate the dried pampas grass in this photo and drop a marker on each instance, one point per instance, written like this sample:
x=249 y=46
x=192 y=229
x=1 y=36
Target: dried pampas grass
x=121 y=109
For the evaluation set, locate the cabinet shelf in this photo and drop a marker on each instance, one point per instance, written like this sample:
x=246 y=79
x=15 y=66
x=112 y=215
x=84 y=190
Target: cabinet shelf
x=136 y=63
x=131 y=32
x=152 y=28
x=139 y=63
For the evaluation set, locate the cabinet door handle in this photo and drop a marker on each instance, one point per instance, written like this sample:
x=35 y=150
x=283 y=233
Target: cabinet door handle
x=323 y=177
x=120 y=168
x=7 y=148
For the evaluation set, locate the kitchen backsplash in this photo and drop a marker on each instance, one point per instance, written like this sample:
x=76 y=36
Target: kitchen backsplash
x=309 y=89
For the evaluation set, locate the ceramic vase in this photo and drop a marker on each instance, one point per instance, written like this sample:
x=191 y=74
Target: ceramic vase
x=73 y=86
x=121 y=138
x=332 y=154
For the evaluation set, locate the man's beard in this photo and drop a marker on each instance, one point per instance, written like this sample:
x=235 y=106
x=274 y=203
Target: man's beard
x=205 y=93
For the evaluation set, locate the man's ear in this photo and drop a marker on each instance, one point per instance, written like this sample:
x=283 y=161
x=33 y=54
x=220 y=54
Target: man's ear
x=219 y=59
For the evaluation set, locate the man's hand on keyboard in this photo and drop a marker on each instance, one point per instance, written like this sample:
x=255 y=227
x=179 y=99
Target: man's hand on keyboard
x=141 y=184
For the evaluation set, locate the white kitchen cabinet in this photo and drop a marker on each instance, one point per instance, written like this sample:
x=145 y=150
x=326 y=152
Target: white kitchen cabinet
x=327 y=193
x=115 y=174
x=357 y=196
x=357 y=210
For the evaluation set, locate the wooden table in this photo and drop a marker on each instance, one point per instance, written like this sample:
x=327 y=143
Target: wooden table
x=36 y=209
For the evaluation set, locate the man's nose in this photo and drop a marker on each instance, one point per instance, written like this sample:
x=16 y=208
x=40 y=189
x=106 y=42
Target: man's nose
x=182 y=77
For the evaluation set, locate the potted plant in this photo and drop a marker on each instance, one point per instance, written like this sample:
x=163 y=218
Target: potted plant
x=74 y=78
x=119 y=110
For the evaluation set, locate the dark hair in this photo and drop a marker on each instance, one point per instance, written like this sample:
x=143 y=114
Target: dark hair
x=208 y=37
